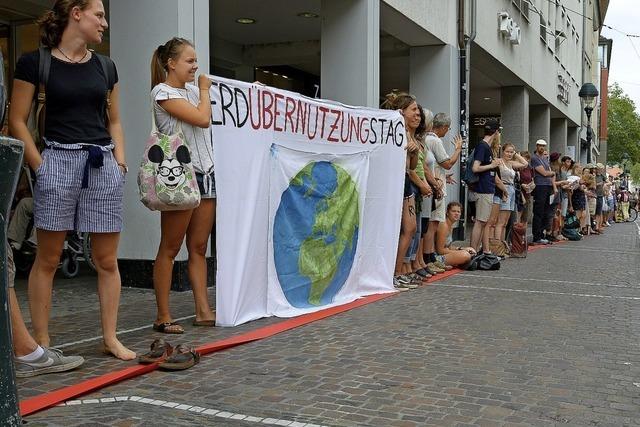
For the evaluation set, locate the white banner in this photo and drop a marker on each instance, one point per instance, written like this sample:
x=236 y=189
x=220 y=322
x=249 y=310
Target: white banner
x=309 y=196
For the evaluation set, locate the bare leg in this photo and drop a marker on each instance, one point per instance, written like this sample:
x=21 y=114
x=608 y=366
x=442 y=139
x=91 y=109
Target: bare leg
x=173 y=225
x=105 y=256
x=197 y=241
x=23 y=342
x=457 y=258
x=477 y=235
x=503 y=218
x=430 y=237
x=50 y=245
x=407 y=230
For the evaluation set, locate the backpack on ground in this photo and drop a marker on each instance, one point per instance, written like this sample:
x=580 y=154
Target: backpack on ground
x=571 y=234
x=519 y=244
x=469 y=177
x=571 y=221
x=484 y=261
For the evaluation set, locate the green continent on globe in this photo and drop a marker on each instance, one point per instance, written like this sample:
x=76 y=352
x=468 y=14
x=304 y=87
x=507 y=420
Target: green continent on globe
x=336 y=221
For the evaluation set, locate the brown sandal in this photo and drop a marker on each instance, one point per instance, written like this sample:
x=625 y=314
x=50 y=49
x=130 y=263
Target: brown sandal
x=165 y=328
x=208 y=323
x=182 y=358
x=160 y=350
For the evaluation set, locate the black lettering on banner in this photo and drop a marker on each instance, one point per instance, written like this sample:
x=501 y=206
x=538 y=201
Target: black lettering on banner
x=239 y=94
x=374 y=135
x=214 y=122
x=382 y=122
x=363 y=128
x=225 y=105
x=399 y=135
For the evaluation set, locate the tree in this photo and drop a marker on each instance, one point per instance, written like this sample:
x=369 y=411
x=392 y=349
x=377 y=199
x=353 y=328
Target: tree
x=634 y=173
x=624 y=127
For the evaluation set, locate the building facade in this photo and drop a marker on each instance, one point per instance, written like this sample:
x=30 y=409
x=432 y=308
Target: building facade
x=522 y=61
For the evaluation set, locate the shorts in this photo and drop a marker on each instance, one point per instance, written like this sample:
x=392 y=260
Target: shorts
x=408 y=192
x=599 y=200
x=483 y=206
x=510 y=204
x=426 y=206
x=438 y=214
x=60 y=202
x=206 y=191
x=564 y=206
x=592 y=205
x=11 y=267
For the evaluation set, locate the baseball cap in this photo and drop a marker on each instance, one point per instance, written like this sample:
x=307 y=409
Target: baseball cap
x=554 y=156
x=590 y=166
x=492 y=125
x=599 y=165
x=541 y=142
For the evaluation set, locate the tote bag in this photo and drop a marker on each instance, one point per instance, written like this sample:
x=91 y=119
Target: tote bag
x=166 y=178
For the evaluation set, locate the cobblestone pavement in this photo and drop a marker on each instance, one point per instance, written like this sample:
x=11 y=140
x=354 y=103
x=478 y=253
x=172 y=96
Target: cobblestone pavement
x=550 y=340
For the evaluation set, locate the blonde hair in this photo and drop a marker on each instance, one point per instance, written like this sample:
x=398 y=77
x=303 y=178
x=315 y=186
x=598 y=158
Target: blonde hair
x=161 y=56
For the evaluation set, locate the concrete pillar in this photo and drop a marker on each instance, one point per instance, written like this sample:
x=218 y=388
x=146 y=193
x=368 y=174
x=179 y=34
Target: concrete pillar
x=539 y=125
x=573 y=143
x=515 y=116
x=433 y=80
x=350 y=51
x=137 y=28
x=559 y=136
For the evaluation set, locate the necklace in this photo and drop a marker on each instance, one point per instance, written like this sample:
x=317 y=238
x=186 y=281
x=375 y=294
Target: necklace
x=86 y=52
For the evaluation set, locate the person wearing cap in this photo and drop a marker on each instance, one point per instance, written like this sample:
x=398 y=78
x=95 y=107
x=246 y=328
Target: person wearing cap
x=484 y=165
x=600 y=181
x=544 y=179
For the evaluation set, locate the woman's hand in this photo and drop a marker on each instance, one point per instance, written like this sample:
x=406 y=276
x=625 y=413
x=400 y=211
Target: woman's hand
x=412 y=146
x=451 y=180
x=426 y=190
x=504 y=197
x=204 y=82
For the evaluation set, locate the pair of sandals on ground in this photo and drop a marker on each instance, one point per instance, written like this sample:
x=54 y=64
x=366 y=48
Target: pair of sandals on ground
x=170 y=358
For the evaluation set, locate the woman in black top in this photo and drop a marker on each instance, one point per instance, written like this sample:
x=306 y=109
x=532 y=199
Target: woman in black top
x=80 y=173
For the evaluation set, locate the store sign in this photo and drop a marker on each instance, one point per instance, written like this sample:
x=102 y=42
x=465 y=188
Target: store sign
x=563 y=89
x=480 y=121
x=307 y=207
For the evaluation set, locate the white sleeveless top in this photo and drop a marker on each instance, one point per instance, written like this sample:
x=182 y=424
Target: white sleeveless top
x=507 y=174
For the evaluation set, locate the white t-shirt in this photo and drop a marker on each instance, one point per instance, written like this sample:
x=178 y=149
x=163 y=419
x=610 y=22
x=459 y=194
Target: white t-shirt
x=434 y=145
x=198 y=139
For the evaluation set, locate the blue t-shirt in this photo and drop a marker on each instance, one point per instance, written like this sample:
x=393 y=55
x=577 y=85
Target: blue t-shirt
x=486 y=180
x=544 y=162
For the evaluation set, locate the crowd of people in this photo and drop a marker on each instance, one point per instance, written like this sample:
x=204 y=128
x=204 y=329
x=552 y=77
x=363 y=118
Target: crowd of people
x=80 y=173
x=506 y=188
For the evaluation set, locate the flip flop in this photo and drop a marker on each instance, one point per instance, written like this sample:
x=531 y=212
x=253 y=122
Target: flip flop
x=164 y=328
x=182 y=358
x=160 y=350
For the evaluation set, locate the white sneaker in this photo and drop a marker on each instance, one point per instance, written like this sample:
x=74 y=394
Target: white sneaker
x=51 y=361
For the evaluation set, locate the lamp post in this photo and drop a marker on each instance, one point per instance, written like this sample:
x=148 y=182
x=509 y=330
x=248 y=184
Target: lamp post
x=588 y=94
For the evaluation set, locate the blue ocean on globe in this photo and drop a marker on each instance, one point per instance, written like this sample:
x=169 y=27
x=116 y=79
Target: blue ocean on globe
x=315 y=234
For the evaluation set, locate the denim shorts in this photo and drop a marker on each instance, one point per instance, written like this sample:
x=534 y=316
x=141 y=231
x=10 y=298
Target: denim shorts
x=206 y=193
x=510 y=204
x=60 y=202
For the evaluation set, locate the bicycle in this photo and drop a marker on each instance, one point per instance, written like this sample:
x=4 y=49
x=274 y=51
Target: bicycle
x=633 y=215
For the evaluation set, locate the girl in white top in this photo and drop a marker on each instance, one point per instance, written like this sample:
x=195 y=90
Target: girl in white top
x=511 y=162
x=173 y=66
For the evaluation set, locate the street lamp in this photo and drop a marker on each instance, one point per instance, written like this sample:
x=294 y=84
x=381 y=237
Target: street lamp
x=588 y=94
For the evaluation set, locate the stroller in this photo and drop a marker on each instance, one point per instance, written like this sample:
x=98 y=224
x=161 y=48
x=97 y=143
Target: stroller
x=77 y=246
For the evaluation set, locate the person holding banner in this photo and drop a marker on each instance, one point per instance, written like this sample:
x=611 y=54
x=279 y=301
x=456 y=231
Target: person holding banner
x=176 y=101
x=408 y=107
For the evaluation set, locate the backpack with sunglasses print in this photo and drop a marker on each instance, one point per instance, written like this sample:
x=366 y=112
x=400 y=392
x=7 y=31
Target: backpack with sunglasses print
x=166 y=178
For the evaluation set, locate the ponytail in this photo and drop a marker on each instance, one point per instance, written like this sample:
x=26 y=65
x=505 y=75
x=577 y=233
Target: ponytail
x=161 y=56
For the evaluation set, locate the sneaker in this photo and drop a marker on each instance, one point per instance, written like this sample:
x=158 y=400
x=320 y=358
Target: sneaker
x=51 y=361
x=541 y=242
x=399 y=285
x=433 y=268
x=442 y=266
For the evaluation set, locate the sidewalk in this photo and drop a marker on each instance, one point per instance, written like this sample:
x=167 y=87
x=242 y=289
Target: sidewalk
x=548 y=340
